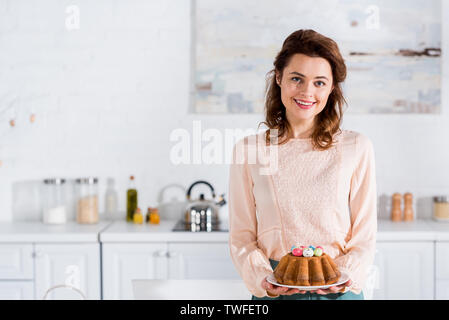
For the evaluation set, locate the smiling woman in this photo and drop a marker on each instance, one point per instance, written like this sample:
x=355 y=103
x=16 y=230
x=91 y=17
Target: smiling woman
x=303 y=95
x=323 y=191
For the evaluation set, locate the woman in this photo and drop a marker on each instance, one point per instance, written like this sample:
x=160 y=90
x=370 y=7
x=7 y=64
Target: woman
x=323 y=189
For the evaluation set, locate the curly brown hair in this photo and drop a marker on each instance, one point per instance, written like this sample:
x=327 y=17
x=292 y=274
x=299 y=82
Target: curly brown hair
x=328 y=121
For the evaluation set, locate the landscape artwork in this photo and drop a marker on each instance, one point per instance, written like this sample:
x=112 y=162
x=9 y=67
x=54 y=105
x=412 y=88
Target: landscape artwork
x=392 y=52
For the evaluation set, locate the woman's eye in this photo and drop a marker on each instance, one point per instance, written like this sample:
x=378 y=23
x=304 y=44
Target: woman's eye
x=320 y=83
x=296 y=79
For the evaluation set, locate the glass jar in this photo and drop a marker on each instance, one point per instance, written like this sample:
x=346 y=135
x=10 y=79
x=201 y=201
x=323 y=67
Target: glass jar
x=441 y=208
x=110 y=204
x=87 y=200
x=54 y=205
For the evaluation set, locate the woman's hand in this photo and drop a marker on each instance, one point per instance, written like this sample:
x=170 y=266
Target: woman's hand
x=275 y=290
x=333 y=289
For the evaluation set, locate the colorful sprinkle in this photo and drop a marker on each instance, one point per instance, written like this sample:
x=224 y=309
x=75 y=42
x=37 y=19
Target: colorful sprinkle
x=308 y=252
x=297 y=252
x=318 y=252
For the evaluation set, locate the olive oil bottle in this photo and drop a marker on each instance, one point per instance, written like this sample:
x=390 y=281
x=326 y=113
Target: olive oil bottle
x=131 y=200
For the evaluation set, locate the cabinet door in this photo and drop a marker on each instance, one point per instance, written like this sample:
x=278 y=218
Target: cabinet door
x=76 y=265
x=406 y=270
x=123 y=263
x=442 y=289
x=16 y=261
x=200 y=261
x=442 y=270
x=16 y=290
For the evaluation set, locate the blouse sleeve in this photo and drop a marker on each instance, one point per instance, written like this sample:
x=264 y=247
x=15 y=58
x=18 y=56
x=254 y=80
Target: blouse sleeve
x=249 y=260
x=360 y=249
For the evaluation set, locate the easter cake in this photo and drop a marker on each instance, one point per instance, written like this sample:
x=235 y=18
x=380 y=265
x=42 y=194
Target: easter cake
x=306 y=266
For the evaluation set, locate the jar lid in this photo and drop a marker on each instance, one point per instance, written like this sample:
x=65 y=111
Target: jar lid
x=440 y=199
x=89 y=180
x=54 y=181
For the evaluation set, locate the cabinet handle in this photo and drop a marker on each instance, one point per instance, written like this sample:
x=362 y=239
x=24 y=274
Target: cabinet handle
x=171 y=254
x=37 y=254
x=160 y=254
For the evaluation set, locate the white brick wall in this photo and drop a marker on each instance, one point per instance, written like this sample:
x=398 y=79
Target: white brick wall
x=108 y=95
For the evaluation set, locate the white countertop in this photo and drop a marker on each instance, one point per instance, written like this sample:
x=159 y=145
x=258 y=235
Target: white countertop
x=122 y=231
x=441 y=230
x=40 y=232
x=417 y=230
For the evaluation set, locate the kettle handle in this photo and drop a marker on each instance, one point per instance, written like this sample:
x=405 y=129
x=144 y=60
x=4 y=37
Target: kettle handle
x=198 y=182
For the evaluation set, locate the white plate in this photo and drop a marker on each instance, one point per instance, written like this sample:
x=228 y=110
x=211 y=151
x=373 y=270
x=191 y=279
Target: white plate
x=343 y=278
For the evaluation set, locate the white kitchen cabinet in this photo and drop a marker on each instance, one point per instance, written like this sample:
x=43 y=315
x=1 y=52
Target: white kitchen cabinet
x=76 y=265
x=17 y=290
x=200 y=261
x=16 y=261
x=16 y=271
x=123 y=262
x=406 y=270
x=442 y=270
x=442 y=289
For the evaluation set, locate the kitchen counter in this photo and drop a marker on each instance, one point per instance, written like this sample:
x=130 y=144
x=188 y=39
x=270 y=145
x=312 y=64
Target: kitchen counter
x=441 y=230
x=122 y=231
x=417 y=230
x=71 y=232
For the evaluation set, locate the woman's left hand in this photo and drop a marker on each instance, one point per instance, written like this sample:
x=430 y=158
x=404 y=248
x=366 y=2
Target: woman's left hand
x=333 y=289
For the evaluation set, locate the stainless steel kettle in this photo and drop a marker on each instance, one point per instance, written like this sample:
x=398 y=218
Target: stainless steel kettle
x=203 y=211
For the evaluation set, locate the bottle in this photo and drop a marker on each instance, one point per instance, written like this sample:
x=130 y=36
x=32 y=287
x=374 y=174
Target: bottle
x=110 y=206
x=137 y=216
x=131 y=200
x=396 y=212
x=154 y=216
x=408 y=207
x=147 y=217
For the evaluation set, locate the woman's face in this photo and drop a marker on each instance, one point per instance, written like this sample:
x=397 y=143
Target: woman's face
x=305 y=87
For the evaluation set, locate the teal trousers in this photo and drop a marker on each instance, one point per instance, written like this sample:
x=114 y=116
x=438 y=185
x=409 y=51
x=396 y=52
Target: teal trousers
x=312 y=296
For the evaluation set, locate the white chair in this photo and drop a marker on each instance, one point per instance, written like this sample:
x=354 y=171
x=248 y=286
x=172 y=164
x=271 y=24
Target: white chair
x=148 y=289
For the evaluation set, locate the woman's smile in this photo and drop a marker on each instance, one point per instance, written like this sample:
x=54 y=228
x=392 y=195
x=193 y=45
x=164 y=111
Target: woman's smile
x=304 y=104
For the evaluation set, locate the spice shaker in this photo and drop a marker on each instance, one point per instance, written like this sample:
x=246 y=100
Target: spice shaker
x=408 y=207
x=441 y=208
x=396 y=211
x=87 y=200
x=54 y=202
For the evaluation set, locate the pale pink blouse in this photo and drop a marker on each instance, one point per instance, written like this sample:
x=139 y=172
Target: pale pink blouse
x=309 y=197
